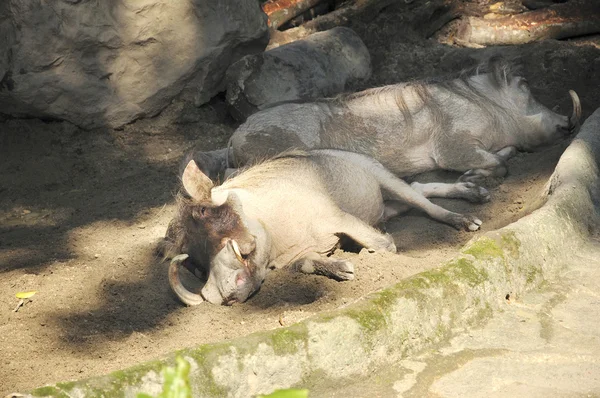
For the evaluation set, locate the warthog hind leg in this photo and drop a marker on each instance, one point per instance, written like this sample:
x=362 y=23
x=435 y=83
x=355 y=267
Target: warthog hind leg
x=458 y=190
x=399 y=190
x=363 y=234
x=314 y=263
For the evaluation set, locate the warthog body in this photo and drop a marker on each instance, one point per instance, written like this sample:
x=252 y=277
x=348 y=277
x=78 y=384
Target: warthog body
x=292 y=210
x=471 y=124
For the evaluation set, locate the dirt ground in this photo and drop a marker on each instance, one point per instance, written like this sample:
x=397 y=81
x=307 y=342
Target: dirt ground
x=81 y=212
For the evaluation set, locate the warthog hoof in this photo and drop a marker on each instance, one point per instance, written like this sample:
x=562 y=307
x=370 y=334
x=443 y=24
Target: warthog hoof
x=472 y=176
x=313 y=263
x=342 y=270
x=387 y=244
x=472 y=223
x=465 y=222
x=474 y=193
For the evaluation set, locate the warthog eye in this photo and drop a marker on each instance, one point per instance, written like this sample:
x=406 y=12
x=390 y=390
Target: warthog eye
x=201 y=213
x=523 y=82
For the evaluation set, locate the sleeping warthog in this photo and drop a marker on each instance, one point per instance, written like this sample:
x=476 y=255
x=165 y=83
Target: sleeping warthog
x=471 y=124
x=292 y=210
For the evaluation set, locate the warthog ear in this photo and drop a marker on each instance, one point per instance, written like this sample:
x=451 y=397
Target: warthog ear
x=195 y=182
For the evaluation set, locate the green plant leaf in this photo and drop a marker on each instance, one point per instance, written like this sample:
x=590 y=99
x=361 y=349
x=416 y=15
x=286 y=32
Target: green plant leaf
x=176 y=383
x=25 y=295
x=288 y=393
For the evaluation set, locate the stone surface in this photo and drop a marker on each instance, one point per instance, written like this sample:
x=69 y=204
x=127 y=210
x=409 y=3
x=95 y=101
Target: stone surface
x=544 y=344
x=108 y=63
x=323 y=64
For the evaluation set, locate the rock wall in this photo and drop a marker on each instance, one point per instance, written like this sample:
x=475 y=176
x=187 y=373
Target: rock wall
x=107 y=63
x=323 y=64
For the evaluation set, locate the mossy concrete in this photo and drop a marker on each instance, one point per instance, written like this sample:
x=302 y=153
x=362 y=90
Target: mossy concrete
x=391 y=325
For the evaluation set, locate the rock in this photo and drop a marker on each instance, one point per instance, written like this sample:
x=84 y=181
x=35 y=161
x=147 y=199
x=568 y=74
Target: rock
x=321 y=65
x=107 y=63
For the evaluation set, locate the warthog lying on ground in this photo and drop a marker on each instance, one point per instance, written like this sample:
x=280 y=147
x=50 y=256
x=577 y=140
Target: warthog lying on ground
x=471 y=124
x=292 y=210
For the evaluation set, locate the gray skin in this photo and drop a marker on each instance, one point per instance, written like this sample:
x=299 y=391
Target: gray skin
x=471 y=124
x=292 y=210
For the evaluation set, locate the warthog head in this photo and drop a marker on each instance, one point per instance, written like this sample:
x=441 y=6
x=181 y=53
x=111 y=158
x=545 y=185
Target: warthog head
x=545 y=126
x=215 y=236
x=539 y=125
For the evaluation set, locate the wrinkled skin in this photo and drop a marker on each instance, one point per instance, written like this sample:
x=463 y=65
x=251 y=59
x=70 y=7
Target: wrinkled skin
x=292 y=211
x=472 y=125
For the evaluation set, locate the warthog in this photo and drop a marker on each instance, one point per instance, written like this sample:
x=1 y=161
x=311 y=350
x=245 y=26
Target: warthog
x=471 y=124
x=292 y=210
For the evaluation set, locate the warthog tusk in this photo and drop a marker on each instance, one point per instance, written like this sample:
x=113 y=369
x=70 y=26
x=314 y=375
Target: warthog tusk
x=237 y=251
x=182 y=293
x=574 y=120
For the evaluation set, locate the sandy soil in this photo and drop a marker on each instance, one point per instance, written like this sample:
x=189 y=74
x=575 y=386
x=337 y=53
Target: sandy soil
x=81 y=212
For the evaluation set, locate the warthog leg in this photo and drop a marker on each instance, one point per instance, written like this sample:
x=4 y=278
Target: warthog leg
x=507 y=153
x=486 y=164
x=459 y=190
x=314 y=263
x=398 y=189
x=362 y=233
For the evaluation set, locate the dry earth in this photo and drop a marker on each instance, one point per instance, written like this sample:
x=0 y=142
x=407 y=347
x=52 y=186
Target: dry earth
x=81 y=211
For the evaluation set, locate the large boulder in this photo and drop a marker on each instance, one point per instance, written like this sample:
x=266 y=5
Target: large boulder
x=107 y=63
x=320 y=65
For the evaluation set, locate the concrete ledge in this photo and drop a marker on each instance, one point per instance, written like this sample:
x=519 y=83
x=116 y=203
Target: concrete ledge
x=392 y=324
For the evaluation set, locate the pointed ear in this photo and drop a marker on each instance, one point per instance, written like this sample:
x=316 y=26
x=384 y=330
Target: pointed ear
x=195 y=182
x=535 y=120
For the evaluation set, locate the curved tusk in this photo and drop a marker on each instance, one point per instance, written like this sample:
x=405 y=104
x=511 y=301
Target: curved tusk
x=237 y=251
x=574 y=123
x=184 y=295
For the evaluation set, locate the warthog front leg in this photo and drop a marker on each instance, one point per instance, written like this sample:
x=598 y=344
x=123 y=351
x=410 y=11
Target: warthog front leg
x=459 y=190
x=488 y=165
x=314 y=263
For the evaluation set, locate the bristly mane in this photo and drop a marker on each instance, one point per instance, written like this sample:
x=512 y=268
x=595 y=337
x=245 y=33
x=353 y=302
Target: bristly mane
x=500 y=71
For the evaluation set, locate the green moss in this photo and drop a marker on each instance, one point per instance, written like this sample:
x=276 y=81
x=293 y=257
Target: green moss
x=483 y=314
x=435 y=276
x=441 y=331
x=385 y=298
x=204 y=377
x=287 y=341
x=370 y=319
x=60 y=390
x=531 y=274
x=112 y=385
x=511 y=243
x=67 y=386
x=48 y=391
x=546 y=320
x=483 y=248
x=465 y=270
x=316 y=377
x=133 y=375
